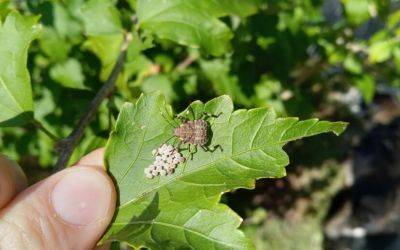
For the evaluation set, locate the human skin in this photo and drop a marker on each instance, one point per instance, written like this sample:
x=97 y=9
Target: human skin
x=68 y=210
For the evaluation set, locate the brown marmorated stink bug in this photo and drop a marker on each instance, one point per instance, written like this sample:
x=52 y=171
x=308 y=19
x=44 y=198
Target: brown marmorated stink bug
x=194 y=132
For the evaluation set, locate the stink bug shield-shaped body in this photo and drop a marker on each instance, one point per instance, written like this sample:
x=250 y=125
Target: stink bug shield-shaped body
x=194 y=132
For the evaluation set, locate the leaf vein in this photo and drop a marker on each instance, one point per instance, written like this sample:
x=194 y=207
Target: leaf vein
x=176 y=227
x=258 y=130
x=10 y=94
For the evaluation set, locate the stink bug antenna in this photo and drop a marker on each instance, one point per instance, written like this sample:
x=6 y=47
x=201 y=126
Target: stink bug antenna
x=168 y=139
x=169 y=121
x=192 y=111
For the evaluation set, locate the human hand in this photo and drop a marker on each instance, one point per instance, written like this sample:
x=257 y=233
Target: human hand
x=68 y=210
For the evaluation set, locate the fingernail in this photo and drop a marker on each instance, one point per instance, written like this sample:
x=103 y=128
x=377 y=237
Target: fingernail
x=82 y=197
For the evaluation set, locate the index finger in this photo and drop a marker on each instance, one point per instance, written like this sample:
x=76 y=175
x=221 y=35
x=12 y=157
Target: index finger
x=12 y=180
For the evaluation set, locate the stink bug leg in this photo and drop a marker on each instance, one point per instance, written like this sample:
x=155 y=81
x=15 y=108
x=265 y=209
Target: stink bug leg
x=192 y=152
x=215 y=147
x=170 y=121
x=206 y=115
x=192 y=111
x=179 y=145
x=181 y=118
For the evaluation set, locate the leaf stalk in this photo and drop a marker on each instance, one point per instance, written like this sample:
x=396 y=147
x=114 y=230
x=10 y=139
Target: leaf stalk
x=42 y=128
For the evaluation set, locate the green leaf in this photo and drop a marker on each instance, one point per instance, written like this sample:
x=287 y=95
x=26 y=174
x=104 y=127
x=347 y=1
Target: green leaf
x=69 y=74
x=197 y=27
x=66 y=25
x=132 y=4
x=160 y=83
x=396 y=58
x=182 y=211
x=227 y=7
x=53 y=45
x=4 y=10
x=394 y=19
x=103 y=25
x=381 y=51
x=357 y=10
x=352 y=65
x=268 y=93
x=106 y=48
x=100 y=17
x=44 y=104
x=366 y=85
x=16 y=102
x=217 y=71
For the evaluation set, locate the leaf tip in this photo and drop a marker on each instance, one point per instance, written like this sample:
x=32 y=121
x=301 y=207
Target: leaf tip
x=339 y=127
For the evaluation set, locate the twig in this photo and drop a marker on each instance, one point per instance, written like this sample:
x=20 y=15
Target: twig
x=67 y=145
x=40 y=126
x=186 y=63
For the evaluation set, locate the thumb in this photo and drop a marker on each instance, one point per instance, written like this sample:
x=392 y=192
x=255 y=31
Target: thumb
x=69 y=210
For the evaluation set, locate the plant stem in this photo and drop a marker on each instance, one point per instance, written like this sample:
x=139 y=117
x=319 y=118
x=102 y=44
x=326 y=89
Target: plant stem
x=40 y=126
x=186 y=63
x=67 y=145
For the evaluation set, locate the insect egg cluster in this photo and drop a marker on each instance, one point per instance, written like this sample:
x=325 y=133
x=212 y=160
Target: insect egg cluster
x=166 y=159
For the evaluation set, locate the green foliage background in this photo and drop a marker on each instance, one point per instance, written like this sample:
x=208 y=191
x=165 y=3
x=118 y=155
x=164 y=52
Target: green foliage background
x=302 y=58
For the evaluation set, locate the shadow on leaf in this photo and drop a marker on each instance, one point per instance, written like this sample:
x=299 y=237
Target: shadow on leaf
x=139 y=224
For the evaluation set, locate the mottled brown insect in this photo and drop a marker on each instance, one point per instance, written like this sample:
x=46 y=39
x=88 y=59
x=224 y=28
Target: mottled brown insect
x=194 y=132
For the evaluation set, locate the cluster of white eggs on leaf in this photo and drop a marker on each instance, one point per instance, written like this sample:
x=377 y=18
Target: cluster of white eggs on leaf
x=166 y=160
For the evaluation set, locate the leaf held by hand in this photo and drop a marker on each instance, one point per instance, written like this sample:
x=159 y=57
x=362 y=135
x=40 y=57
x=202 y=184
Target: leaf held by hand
x=183 y=210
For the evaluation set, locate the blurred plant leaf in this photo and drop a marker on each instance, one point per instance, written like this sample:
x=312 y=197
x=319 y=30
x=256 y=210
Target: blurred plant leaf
x=352 y=65
x=66 y=25
x=4 y=8
x=396 y=56
x=394 y=19
x=228 y=7
x=106 y=48
x=103 y=26
x=101 y=17
x=357 y=10
x=132 y=4
x=55 y=48
x=183 y=210
x=366 y=85
x=381 y=51
x=16 y=102
x=44 y=104
x=69 y=74
x=217 y=71
x=160 y=83
x=268 y=94
x=197 y=27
